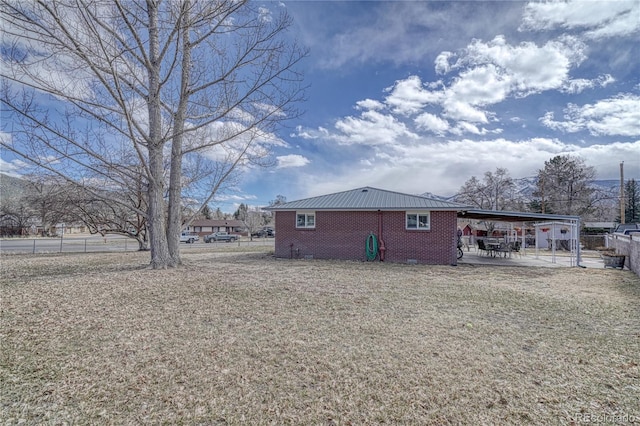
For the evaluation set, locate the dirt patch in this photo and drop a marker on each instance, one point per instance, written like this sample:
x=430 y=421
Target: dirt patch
x=243 y=338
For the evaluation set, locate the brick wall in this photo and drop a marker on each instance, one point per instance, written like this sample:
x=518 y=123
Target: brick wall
x=343 y=235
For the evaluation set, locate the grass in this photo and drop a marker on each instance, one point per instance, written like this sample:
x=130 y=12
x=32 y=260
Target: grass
x=242 y=338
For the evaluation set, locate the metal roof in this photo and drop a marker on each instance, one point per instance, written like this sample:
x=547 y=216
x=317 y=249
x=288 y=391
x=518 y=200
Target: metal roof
x=505 y=216
x=368 y=198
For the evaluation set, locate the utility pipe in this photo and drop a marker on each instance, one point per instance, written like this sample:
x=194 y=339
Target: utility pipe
x=382 y=248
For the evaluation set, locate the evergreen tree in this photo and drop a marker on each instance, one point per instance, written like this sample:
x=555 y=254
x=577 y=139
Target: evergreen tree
x=631 y=202
x=206 y=212
x=242 y=212
x=564 y=186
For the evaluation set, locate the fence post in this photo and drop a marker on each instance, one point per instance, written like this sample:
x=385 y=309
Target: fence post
x=34 y=246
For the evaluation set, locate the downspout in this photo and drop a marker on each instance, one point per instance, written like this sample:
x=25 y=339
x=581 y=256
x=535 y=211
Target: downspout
x=382 y=248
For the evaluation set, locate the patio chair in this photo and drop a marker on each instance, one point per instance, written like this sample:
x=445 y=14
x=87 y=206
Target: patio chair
x=465 y=241
x=482 y=247
x=504 y=248
x=515 y=247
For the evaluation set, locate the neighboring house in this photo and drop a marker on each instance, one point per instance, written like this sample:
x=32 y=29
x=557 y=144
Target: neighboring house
x=204 y=227
x=599 y=227
x=408 y=228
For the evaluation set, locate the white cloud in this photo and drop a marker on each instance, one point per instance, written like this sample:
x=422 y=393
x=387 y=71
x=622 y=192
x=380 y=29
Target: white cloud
x=442 y=62
x=548 y=119
x=579 y=85
x=292 y=160
x=239 y=141
x=519 y=66
x=487 y=74
x=6 y=138
x=432 y=123
x=475 y=87
x=14 y=168
x=613 y=116
x=459 y=110
x=308 y=133
x=464 y=127
x=397 y=32
x=598 y=19
x=369 y=104
x=265 y=14
x=27 y=57
x=372 y=128
x=443 y=167
x=408 y=96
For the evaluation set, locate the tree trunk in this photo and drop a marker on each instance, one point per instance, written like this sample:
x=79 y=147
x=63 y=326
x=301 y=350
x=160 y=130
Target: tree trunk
x=174 y=225
x=160 y=257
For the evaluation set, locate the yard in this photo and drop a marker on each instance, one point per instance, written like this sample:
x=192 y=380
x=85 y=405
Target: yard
x=243 y=338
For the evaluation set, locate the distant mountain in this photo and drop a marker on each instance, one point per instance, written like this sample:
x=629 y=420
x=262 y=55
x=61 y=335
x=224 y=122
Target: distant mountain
x=11 y=186
x=437 y=197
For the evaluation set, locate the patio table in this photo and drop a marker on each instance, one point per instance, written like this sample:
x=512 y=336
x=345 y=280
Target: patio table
x=492 y=247
x=497 y=247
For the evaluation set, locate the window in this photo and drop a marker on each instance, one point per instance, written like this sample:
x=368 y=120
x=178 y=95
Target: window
x=306 y=220
x=417 y=220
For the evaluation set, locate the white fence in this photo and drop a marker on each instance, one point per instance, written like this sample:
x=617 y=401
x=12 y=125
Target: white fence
x=98 y=244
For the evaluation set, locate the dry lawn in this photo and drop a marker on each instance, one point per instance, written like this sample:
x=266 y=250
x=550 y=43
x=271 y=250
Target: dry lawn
x=242 y=338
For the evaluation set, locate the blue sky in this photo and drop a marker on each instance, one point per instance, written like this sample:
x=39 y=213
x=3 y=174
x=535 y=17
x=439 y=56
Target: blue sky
x=420 y=96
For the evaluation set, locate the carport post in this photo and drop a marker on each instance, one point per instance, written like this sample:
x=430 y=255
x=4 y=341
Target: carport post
x=553 y=242
x=578 y=252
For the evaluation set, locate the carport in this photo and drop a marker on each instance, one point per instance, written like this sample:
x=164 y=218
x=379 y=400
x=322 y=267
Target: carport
x=538 y=220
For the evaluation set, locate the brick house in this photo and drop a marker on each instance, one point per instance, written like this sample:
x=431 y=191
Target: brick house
x=407 y=228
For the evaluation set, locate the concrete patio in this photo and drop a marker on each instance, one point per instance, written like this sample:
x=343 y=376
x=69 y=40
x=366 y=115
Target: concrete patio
x=544 y=258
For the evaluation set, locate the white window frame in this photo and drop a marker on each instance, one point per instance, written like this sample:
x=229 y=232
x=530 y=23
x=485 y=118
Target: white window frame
x=308 y=224
x=418 y=226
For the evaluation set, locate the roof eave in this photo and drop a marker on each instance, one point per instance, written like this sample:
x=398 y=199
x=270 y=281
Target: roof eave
x=371 y=209
x=479 y=214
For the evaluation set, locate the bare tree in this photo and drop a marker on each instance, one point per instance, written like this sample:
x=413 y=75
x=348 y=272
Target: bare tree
x=218 y=215
x=280 y=199
x=253 y=220
x=47 y=196
x=171 y=83
x=495 y=192
x=106 y=217
x=16 y=216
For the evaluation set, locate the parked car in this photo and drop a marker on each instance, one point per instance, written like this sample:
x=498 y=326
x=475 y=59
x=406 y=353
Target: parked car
x=267 y=231
x=627 y=228
x=189 y=237
x=220 y=236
